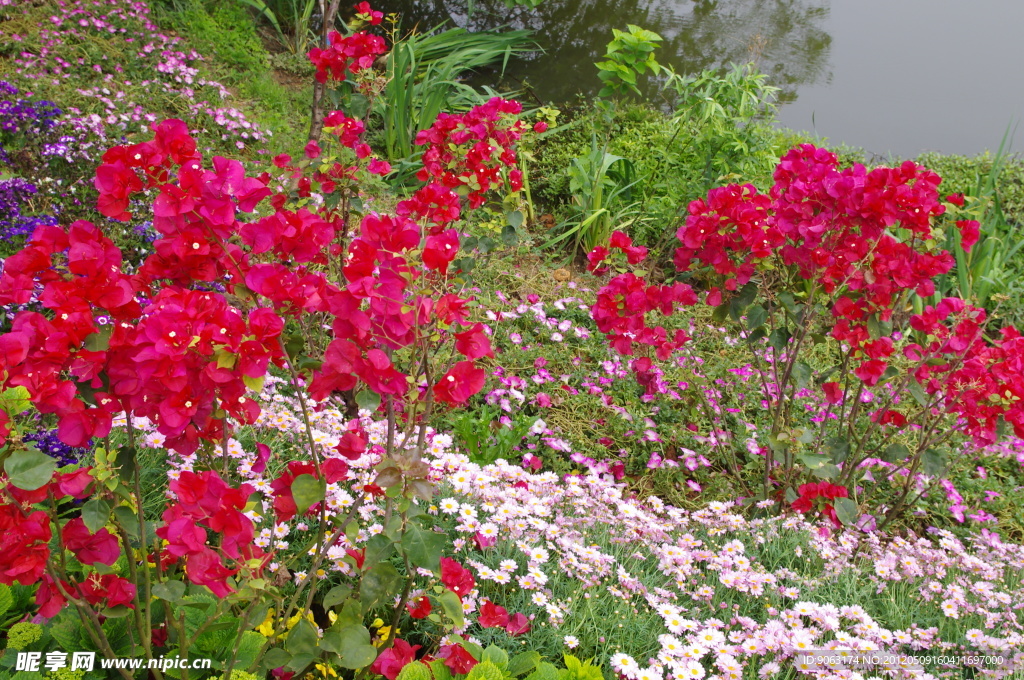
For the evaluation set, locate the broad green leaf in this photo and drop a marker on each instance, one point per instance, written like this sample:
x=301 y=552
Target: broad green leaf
x=826 y=471
x=452 y=606
x=813 y=461
x=933 y=462
x=95 y=514
x=368 y=400
x=354 y=648
x=779 y=338
x=523 y=663
x=801 y=374
x=30 y=469
x=423 y=547
x=336 y=595
x=302 y=639
x=515 y=219
x=846 y=510
x=917 y=392
x=838 y=449
x=379 y=584
x=15 y=400
x=756 y=316
x=307 y=491
x=172 y=591
x=496 y=655
x=895 y=453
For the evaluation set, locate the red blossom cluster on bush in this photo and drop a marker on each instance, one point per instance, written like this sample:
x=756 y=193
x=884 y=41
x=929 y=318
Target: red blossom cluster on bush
x=623 y=304
x=457 y=658
x=820 y=493
x=468 y=151
x=859 y=233
x=347 y=55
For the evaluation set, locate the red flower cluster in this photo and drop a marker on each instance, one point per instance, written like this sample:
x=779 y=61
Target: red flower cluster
x=838 y=228
x=812 y=495
x=205 y=501
x=346 y=55
x=982 y=382
x=468 y=151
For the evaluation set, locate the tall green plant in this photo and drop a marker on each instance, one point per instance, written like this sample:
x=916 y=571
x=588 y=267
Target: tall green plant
x=292 y=21
x=423 y=79
x=981 y=275
x=602 y=186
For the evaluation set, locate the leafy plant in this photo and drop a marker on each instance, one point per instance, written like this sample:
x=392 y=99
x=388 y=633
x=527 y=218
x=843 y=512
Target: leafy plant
x=985 y=271
x=602 y=186
x=424 y=74
x=630 y=55
x=485 y=438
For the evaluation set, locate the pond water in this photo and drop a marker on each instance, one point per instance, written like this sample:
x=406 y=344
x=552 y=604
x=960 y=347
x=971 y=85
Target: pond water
x=896 y=77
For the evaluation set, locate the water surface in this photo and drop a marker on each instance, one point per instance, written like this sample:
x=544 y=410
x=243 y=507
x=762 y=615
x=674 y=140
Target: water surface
x=892 y=76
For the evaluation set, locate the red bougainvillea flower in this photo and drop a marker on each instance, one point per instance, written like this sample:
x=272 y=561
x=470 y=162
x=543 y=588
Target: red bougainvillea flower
x=457 y=659
x=456 y=578
x=393 y=659
x=518 y=624
x=492 y=615
x=473 y=343
x=88 y=547
x=420 y=607
x=367 y=13
x=23 y=545
x=460 y=383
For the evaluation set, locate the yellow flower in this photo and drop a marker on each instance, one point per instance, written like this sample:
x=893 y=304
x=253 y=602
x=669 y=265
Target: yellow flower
x=266 y=629
x=326 y=671
x=332 y=617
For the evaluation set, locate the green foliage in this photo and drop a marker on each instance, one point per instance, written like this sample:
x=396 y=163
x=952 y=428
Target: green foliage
x=23 y=635
x=991 y=273
x=423 y=79
x=579 y=670
x=417 y=670
x=485 y=439
x=630 y=54
x=602 y=187
x=226 y=34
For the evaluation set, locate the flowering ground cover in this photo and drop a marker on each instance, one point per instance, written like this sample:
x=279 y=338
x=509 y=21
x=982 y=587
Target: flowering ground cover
x=274 y=411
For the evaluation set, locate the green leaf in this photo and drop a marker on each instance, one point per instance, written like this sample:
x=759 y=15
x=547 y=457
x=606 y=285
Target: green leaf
x=354 y=648
x=515 y=219
x=917 y=392
x=95 y=514
x=368 y=400
x=307 y=491
x=452 y=606
x=30 y=469
x=813 y=461
x=895 y=453
x=276 y=658
x=423 y=547
x=302 y=639
x=127 y=519
x=933 y=462
x=509 y=236
x=378 y=549
x=522 y=664
x=378 y=584
x=756 y=316
x=801 y=373
x=826 y=471
x=126 y=462
x=838 y=449
x=172 y=591
x=846 y=511
x=779 y=338
x=6 y=599
x=336 y=595
x=15 y=400
x=496 y=655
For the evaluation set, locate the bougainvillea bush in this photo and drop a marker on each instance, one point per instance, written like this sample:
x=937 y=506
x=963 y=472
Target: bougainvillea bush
x=371 y=316
x=830 y=257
